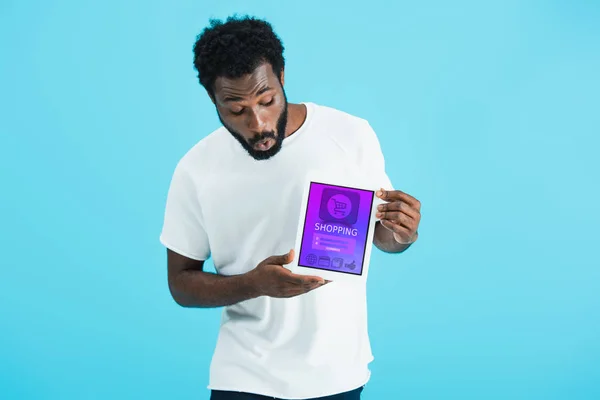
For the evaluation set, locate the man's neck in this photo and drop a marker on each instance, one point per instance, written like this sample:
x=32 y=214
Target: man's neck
x=296 y=117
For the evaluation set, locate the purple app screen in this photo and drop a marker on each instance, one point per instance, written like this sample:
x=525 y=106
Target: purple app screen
x=336 y=228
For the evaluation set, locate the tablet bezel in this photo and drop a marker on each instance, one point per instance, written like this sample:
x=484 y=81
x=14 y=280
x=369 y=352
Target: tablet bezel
x=343 y=180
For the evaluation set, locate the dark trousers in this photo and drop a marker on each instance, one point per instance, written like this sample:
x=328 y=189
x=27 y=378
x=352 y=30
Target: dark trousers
x=225 y=395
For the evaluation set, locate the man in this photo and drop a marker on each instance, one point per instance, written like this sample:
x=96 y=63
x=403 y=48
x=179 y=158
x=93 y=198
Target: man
x=235 y=197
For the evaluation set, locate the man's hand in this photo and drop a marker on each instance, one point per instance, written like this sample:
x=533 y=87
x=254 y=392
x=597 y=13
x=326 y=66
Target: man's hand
x=401 y=214
x=270 y=278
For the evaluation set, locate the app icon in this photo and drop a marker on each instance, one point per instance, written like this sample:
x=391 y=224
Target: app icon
x=324 y=261
x=352 y=265
x=339 y=205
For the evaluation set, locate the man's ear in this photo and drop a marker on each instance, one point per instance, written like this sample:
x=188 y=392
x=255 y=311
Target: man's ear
x=282 y=80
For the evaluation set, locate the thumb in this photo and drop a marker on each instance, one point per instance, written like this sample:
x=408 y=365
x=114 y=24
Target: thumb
x=282 y=259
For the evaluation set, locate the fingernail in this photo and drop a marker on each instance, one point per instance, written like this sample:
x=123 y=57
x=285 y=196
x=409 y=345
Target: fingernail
x=379 y=193
x=380 y=207
x=379 y=215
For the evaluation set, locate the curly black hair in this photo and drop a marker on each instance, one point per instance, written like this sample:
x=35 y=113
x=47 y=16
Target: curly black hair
x=235 y=48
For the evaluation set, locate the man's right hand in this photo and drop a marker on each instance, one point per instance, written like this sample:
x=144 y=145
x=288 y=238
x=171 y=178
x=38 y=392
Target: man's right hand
x=271 y=278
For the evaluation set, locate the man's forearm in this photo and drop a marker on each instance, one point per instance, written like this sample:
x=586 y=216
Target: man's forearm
x=384 y=240
x=193 y=288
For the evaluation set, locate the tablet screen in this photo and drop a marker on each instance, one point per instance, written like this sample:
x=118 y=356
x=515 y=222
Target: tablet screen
x=336 y=228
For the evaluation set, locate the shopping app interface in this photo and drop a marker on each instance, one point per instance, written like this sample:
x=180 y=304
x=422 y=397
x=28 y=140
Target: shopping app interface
x=336 y=228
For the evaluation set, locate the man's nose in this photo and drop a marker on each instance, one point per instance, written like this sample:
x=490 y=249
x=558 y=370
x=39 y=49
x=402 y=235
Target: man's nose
x=257 y=122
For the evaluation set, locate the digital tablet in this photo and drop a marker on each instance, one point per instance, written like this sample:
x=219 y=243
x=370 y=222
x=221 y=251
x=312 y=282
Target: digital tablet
x=336 y=227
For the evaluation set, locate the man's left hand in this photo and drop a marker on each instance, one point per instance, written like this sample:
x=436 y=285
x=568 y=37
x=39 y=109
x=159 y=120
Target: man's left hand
x=401 y=214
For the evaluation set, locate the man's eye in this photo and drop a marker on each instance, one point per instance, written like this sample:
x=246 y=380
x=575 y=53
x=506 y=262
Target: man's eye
x=238 y=112
x=268 y=103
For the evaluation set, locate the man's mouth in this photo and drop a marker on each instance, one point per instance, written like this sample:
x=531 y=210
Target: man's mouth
x=264 y=145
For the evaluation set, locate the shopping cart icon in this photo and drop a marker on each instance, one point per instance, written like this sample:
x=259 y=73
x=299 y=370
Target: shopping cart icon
x=339 y=205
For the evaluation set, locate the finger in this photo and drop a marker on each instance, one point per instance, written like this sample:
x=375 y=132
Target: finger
x=282 y=259
x=289 y=277
x=286 y=292
x=296 y=291
x=393 y=206
x=397 y=228
x=404 y=216
x=395 y=217
x=312 y=280
x=391 y=224
x=301 y=279
x=400 y=206
x=395 y=195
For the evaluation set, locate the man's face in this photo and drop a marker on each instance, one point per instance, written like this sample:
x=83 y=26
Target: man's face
x=253 y=108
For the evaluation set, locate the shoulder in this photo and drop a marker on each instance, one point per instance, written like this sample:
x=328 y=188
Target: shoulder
x=346 y=126
x=328 y=114
x=203 y=154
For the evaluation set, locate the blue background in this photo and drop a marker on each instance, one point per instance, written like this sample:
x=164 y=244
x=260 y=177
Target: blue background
x=488 y=112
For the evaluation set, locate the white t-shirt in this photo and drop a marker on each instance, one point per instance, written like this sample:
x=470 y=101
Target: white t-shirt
x=224 y=204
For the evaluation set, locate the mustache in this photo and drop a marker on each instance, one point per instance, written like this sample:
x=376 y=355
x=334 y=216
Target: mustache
x=262 y=136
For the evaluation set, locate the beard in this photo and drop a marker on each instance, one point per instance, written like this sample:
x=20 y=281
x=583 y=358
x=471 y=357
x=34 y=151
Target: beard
x=278 y=136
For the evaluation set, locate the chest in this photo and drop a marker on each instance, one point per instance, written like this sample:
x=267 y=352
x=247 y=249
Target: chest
x=251 y=211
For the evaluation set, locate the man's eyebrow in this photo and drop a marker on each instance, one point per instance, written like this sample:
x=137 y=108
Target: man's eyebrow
x=229 y=99
x=261 y=91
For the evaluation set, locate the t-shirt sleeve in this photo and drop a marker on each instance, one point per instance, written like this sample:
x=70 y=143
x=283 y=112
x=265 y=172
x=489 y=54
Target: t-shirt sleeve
x=183 y=228
x=374 y=159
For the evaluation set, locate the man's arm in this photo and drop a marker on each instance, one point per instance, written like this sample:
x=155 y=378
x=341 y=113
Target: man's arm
x=190 y=286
